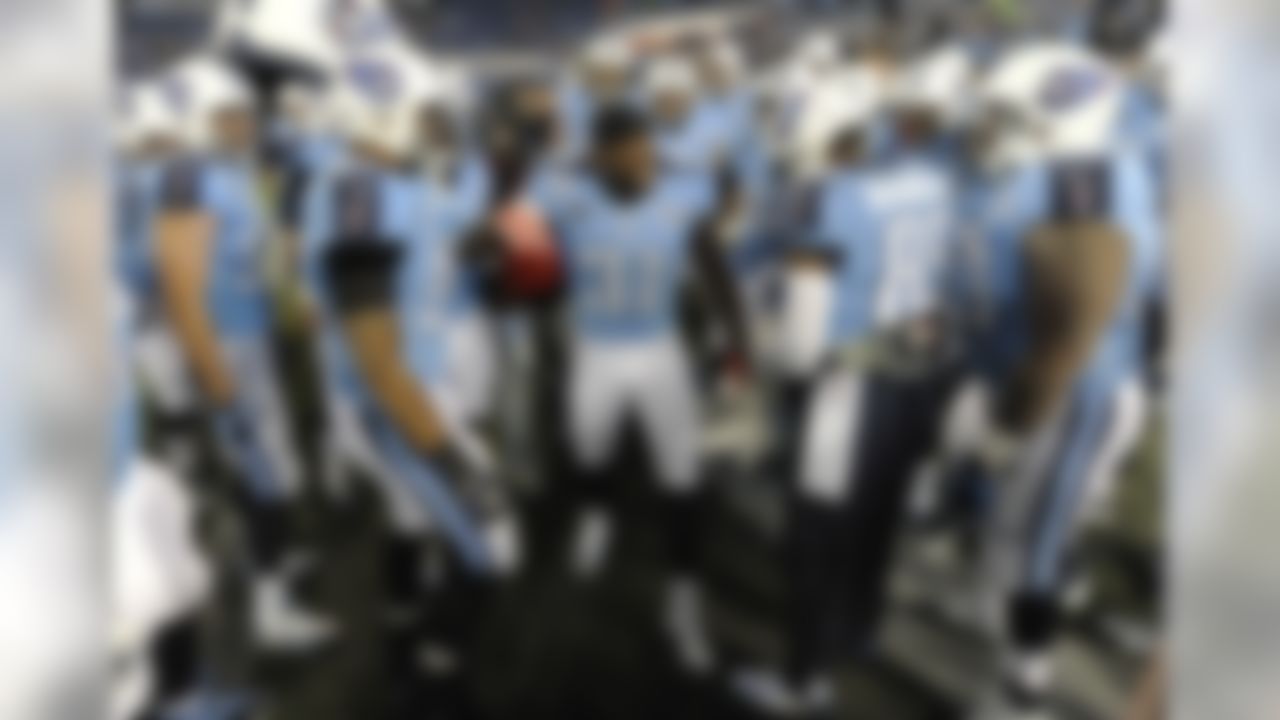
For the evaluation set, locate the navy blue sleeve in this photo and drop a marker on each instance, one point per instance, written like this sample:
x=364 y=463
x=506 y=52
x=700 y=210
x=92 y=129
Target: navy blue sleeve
x=182 y=187
x=359 y=264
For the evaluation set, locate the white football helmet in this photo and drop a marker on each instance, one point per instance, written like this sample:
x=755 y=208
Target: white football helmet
x=147 y=115
x=671 y=76
x=725 y=61
x=316 y=33
x=1049 y=101
x=671 y=87
x=608 y=55
x=819 y=53
x=200 y=89
x=432 y=84
x=832 y=108
x=458 y=89
x=432 y=87
x=370 y=104
x=606 y=69
x=940 y=83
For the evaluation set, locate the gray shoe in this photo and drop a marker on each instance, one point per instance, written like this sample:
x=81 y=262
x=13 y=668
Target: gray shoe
x=766 y=692
x=280 y=624
x=685 y=619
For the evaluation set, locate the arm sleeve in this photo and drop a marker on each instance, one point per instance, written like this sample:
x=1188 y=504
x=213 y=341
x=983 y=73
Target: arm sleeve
x=360 y=274
x=358 y=266
x=184 y=188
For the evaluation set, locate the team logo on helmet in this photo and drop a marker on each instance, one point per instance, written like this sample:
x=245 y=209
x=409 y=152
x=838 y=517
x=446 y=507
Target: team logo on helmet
x=376 y=81
x=1069 y=88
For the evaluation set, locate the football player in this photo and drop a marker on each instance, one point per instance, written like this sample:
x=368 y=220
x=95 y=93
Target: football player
x=868 y=293
x=209 y=233
x=376 y=252
x=630 y=234
x=151 y=139
x=380 y=249
x=1070 y=406
x=452 y=163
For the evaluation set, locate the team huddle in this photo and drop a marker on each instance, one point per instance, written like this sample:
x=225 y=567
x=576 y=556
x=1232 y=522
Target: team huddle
x=903 y=274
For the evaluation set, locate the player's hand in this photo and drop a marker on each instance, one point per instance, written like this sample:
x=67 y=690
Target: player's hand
x=474 y=476
x=232 y=432
x=219 y=390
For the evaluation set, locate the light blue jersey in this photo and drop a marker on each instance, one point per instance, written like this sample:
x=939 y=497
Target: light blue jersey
x=719 y=141
x=304 y=149
x=124 y=440
x=314 y=153
x=576 y=110
x=1009 y=209
x=997 y=214
x=226 y=192
x=690 y=144
x=469 y=187
x=137 y=195
x=732 y=119
x=625 y=259
x=455 y=205
x=1134 y=209
x=734 y=113
x=355 y=204
x=1145 y=126
x=1119 y=188
x=302 y=155
x=891 y=231
x=393 y=212
x=732 y=143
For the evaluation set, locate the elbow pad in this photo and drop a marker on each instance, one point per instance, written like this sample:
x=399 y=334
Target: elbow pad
x=806 y=320
x=360 y=274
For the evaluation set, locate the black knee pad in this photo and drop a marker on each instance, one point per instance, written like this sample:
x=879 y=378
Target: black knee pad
x=176 y=657
x=685 y=517
x=179 y=423
x=592 y=488
x=403 y=563
x=170 y=434
x=269 y=532
x=1034 y=618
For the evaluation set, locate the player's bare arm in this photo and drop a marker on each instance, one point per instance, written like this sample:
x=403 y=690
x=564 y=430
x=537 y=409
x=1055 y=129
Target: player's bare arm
x=183 y=242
